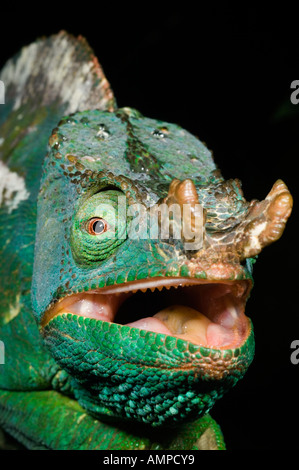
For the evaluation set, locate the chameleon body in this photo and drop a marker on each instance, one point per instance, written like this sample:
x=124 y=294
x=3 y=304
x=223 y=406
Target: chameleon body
x=106 y=342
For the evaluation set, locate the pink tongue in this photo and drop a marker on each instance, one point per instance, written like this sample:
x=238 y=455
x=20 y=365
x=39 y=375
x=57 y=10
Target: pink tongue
x=151 y=324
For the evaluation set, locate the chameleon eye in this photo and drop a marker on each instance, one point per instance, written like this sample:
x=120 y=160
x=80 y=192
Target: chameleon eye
x=96 y=226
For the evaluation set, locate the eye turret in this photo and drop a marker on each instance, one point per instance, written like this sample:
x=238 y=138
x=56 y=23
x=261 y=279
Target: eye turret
x=97 y=228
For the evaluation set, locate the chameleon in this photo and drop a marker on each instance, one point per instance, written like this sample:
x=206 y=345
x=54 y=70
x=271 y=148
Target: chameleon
x=113 y=339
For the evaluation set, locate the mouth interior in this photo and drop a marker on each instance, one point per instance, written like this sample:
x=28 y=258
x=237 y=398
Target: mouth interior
x=209 y=314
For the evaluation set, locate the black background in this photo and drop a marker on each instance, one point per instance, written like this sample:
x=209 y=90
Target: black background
x=224 y=75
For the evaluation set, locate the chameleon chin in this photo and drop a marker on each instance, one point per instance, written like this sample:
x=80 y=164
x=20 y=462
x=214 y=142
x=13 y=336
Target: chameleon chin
x=126 y=342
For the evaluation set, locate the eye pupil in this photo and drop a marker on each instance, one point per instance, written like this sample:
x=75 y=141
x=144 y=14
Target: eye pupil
x=97 y=226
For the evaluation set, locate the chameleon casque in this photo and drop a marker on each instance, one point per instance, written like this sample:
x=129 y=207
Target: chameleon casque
x=111 y=341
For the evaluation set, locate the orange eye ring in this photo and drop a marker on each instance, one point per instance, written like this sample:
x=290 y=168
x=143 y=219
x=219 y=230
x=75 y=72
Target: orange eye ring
x=97 y=226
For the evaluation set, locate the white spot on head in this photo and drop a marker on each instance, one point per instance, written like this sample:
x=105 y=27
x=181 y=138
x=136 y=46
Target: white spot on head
x=253 y=235
x=12 y=188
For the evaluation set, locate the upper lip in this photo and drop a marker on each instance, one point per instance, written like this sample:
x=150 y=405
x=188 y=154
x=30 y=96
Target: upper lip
x=213 y=299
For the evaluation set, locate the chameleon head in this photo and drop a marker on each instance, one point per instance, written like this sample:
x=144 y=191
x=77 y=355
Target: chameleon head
x=141 y=301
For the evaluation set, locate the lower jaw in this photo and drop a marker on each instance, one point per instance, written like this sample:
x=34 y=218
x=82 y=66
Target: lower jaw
x=91 y=341
x=122 y=372
x=215 y=336
x=229 y=339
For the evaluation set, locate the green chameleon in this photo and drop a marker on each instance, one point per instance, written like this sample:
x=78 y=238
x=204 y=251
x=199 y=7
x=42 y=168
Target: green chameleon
x=111 y=338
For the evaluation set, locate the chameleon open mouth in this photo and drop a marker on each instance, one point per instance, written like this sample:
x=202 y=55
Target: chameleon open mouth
x=205 y=313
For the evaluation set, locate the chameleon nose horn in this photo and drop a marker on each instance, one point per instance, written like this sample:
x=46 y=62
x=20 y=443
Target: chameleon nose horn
x=266 y=220
x=184 y=194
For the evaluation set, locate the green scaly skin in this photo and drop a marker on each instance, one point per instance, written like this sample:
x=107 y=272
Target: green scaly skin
x=103 y=385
